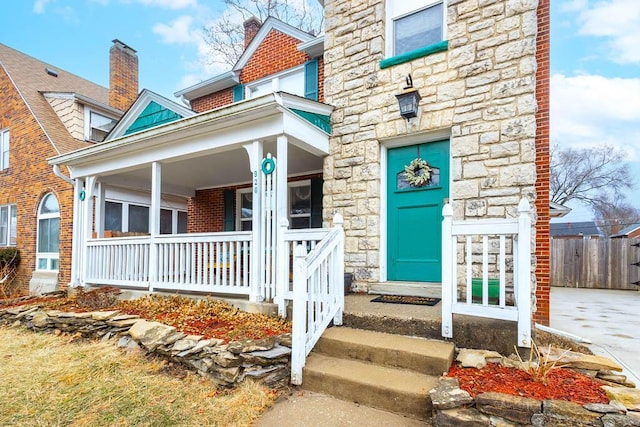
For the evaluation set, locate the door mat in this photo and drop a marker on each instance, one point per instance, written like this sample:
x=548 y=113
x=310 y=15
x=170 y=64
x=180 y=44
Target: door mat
x=401 y=299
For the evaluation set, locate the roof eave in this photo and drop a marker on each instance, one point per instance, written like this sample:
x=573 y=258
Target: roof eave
x=214 y=84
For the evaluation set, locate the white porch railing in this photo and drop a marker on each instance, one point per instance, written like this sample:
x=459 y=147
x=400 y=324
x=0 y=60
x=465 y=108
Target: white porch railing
x=318 y=293
x=119 y=261
x=478 y=249
x=211 y=262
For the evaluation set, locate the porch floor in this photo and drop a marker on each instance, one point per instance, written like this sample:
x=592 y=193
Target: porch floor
x=426 y=322
x=402 y=319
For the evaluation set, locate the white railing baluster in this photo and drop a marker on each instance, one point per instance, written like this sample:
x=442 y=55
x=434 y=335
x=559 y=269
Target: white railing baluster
x=489 y=263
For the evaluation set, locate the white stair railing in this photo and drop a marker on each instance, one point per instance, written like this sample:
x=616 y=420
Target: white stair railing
x=490 y=247
x=318 y=294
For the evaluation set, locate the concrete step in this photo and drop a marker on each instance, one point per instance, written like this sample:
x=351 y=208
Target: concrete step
x=395 y=390
x=416 y=354
x=420 y=289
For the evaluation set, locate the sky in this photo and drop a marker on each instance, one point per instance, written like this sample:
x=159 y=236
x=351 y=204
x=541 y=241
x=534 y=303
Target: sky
x=595 y=58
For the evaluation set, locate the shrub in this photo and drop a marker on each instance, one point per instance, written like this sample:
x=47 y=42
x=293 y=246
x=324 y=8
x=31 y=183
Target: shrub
x=9 y=257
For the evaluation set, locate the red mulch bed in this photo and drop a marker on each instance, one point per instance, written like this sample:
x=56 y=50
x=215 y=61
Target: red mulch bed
x=562 y=384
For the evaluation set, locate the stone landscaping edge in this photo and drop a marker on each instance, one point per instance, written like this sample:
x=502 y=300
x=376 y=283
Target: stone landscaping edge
x=268 y=359
x=454 y=407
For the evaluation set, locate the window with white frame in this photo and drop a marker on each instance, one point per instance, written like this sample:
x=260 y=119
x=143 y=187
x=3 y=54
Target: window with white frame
x=412 y=25
x=4 y=149
x=290 y=81
x=299 y=206
x=134 y=218
x=8 y=223
x=97 y=125
x=48 y=233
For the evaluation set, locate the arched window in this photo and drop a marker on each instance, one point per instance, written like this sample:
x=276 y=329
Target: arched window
x=48 y=233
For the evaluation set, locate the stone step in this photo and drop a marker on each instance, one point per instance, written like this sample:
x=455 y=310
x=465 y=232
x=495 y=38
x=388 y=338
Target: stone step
x=395 y=390
x=416 y=354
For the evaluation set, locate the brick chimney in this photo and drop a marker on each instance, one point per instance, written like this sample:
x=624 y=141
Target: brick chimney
x=123 y=75
x=251 y=27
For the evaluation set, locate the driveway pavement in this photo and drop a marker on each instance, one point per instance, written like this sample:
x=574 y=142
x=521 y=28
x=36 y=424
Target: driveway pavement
x=608 y=318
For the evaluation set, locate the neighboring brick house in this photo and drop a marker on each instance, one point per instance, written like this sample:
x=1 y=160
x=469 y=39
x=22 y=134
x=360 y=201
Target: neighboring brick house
x=482 y=71
x=44 y=112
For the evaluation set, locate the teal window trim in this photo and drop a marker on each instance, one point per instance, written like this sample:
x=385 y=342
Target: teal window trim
x=238 y=92
x=415 y=54
x=318 y=120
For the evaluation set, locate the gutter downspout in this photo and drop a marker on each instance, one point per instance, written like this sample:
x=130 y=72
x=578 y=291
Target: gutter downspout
x=75 y=279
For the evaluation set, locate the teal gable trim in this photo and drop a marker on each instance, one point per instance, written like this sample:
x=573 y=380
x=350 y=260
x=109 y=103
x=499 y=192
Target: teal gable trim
x=415 y=54
x=153 y=115
x=318 y=120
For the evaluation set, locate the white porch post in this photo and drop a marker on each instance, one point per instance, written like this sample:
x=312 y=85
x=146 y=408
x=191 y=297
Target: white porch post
x=523 y=284
x=447 y=269
x=282 y=276
x=154 y=221
x=77 y=241
x=99 y=216
x=255 y=151
x=87 y=224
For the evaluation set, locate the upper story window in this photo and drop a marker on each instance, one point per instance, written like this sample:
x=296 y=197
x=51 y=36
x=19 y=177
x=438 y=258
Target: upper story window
x=290 y=81
x=413 y=25
x=4 y=149
x=8 y=222
x=97 y=125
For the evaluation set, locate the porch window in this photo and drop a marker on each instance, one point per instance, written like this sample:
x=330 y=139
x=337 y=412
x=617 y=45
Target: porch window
x=4 y=149
x=300 y=204
x=134 y=218
x=8 y=225
x=48 y=233
x=245 y=209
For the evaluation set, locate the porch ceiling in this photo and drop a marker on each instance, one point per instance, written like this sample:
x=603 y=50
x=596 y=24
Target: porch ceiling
x=183 y=177
x=206 y=150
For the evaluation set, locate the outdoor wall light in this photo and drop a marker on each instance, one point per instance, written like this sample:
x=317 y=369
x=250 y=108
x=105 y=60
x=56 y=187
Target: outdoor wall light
x=409 y=99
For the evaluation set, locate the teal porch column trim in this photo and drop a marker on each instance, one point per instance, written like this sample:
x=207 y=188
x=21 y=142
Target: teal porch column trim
x=415 y=54
x=319 y=120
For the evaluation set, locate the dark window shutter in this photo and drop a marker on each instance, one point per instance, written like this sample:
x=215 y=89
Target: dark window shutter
x=316 y=202
x=311 y=79
x=229 y=205
x=238 y=92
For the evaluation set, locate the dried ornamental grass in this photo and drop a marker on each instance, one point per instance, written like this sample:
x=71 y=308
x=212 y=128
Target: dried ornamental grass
x=47 y=380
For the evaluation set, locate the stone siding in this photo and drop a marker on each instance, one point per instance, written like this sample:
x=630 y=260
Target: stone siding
x=481 y=91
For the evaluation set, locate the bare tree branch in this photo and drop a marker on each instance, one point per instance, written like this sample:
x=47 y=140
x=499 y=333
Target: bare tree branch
x=225 y=37
x=595 y=176
x=612 y=216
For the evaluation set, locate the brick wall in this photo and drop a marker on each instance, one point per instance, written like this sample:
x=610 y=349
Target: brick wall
x=213 y=100
x=542 y=164
x=28 y=179
x=277 y=52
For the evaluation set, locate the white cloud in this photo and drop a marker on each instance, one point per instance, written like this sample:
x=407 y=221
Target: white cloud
x=618 y=20
x=590 y=110
x=178 y=31
x=40 y=5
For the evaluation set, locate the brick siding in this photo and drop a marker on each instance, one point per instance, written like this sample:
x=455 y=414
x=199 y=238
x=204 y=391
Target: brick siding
x=28 y=179
x=212 y=101
x=543 y=45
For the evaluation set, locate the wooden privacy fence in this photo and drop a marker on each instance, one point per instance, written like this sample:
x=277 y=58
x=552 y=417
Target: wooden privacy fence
x=595 y=263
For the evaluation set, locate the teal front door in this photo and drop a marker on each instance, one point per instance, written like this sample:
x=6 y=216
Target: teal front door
x=414 y=211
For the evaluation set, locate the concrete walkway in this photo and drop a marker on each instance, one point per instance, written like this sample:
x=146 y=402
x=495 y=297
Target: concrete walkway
x=608 y=318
